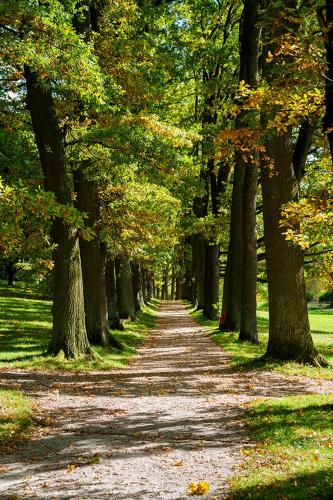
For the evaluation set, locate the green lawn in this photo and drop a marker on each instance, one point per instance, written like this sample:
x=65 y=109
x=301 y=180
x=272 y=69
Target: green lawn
x=292 y=452
x=246 y=355
x=293 y=436
x=16 y=422
x=25 y=327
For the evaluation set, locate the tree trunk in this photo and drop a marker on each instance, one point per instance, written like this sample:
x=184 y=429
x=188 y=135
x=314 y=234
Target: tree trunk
x=289 y=331
x=144 y=284
x=69 y=332
x=173 y=283
x=248 y=327
x=199 y=264
x=218 y=181
x=178 y=288
x=325 y=17
x=10 y=270
x=137 y=286
x=126 y=305
x=93 y=260
x=114 y=320
x=212 y=274
x=94 y=285
x=231 y=307
x=249 y=56
x=239 y=301
x=186 y=289
x=165 y=286
x=151 y=287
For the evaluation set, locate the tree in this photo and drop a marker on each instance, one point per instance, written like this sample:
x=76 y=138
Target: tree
x=289 y=331
x=239 y=293
x=69 y=332
x=29 y=33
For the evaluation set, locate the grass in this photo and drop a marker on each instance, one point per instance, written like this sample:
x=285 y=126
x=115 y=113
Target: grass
x=246 y=355
x=293 y=436
x=16 y=422
x=292 y=452
x=25 y=329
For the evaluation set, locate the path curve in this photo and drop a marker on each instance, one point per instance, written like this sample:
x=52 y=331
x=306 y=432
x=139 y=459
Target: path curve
x=145 y=431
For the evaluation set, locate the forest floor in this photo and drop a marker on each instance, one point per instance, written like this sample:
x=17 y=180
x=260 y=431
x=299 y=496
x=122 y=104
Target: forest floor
x=174 y=416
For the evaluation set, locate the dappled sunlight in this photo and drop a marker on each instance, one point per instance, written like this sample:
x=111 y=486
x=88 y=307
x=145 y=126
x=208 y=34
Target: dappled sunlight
x=179 y=402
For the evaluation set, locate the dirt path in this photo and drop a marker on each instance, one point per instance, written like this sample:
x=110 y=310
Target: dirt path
x=143 y=432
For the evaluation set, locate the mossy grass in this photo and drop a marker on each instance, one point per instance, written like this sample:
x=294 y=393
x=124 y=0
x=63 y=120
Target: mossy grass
x=245 y=355
x=25 y=329
x=292 y=452
x=16 y=419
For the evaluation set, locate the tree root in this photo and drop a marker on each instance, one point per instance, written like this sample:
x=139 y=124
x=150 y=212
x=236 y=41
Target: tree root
x=61 y=356
x=115 y=343
x=313 y=359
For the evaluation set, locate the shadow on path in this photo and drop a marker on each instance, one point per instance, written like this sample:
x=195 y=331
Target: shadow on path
x=146 y=431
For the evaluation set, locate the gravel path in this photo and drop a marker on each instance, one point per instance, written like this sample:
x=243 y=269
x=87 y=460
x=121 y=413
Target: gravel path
x=143 y=432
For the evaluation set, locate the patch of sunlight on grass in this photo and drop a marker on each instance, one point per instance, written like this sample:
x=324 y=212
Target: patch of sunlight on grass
x=292 y=452
x=16 y=422
x=25 y=330
x=245 y=355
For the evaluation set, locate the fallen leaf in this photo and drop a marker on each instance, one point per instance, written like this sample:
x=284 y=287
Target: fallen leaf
x=178 y=463
x=200 y=488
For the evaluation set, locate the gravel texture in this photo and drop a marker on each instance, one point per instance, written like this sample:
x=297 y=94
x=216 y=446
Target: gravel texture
x=173 y=416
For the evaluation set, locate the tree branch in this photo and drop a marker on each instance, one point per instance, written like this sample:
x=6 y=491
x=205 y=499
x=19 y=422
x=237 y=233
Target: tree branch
x=302 y=148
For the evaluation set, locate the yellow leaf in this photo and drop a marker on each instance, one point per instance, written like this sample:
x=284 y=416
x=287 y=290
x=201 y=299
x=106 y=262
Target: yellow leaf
x=200 y=488
x=269 y=57
x=178 y=463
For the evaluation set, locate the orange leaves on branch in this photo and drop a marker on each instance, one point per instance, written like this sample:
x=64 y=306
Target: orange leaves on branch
x=246 y=141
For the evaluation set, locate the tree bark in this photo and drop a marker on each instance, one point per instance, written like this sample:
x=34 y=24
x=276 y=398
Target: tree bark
x=199 y=264
x=126 y=305
x=249 y=57
x=325 y=17
x=93 y=257
x=289 y=330
x=218 y=182
x=144 y=284
x=239 y=296
x=212 y=273
x=68 y=332
x=211 y=286
x=173 y=283
x=10 y=270
x=231 y=306
x=115 y=322
x=186 y=288
x=93 y=260
x=151 y=287
x=178 y=288
x=137 y=285
x=165 y=286
x=248 y=327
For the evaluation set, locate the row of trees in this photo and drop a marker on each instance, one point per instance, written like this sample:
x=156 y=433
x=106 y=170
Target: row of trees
x=148 y=142
x=80 y=184
x=271 y=124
